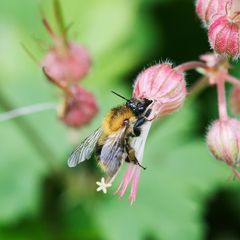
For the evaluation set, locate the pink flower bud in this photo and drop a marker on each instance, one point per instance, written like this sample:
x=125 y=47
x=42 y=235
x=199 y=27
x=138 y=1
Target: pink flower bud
x=224 y=36
x=208 y=10
x=69 y=65
x=79 y=108
x=162 y=84
x=235 y=100
x=223 y=140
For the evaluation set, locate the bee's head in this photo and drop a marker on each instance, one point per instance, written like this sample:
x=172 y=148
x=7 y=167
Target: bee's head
x=138 y=106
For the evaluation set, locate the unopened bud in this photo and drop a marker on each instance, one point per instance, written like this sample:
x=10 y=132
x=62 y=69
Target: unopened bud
x=79 y=108
x=70 y=65
x=208 y=10
x=224 y=36
x=162 y=84
x=223 y=140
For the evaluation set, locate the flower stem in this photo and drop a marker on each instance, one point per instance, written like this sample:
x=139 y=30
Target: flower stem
x=232 y=80
x=26 y=110
x=60 y=21
x=189 y=66
x=222 y=107
x=48 y=28
x=39 y=144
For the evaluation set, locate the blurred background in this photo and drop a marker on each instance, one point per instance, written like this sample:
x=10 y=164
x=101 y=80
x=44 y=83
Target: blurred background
x=185 y=192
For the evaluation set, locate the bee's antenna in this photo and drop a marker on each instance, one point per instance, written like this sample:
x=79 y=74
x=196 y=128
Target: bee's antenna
x=120 y=96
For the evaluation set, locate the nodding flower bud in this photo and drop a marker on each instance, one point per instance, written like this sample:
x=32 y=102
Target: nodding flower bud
x=162 y=84
x=70 y=65
x=223 y=140
x=208 y=10
x=224 y=31
x=235 y=100
x=79 y=108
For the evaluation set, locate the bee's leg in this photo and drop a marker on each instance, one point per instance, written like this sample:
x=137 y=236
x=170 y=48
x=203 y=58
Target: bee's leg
x=127 y=160
x=140 y=121
x=137 y=126
x=132 y=157
x=148 y=112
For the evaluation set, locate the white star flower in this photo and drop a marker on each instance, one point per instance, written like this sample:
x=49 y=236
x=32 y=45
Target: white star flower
x=103 y=186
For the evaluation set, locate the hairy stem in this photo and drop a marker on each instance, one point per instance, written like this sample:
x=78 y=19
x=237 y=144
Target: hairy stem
x=222 y=106
x=189 y=66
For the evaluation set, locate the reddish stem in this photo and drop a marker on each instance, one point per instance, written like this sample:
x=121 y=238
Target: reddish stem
x=189 y=66
x=65 y=88
x=48 y=28
x=232 y=80
x=222 y=107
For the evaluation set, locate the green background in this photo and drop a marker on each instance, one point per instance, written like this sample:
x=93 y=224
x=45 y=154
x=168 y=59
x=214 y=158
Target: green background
x=184 y=194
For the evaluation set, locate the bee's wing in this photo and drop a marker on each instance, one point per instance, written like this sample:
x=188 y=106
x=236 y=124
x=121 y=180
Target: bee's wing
x=112 y=153
x=85 y=149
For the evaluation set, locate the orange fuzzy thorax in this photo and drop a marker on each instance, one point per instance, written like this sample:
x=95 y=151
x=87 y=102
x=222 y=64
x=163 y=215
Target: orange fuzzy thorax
x=114 y=120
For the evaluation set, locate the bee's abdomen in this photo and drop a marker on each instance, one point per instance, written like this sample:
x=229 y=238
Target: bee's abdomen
x=114 y=120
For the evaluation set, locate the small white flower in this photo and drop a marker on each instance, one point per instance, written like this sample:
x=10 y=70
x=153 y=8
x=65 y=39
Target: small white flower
x=103 y=186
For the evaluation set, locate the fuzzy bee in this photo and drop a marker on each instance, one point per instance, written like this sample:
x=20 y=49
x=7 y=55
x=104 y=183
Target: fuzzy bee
x=112 y=141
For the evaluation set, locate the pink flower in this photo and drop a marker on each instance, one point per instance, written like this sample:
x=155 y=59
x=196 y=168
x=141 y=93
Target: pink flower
x=79 y=108
x=223 y=32
x=162 y=84
x=224 y=36
x=208 y=10
x=66 y=66
x=166 y=87
x=223 y=140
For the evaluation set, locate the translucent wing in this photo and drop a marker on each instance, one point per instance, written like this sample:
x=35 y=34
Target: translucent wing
x=85 y=149
x=113 y=152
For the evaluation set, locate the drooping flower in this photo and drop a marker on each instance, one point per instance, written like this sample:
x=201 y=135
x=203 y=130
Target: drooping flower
x=162 y=84
x=223 y=140
x=224 y=31
x=70 y=65
x=65 y=64
x=79 y=107
x=166 y=87
x=65 y=61
x=208 y=10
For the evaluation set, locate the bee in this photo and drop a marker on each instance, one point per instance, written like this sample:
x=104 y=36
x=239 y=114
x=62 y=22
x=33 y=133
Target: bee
x=112 y=141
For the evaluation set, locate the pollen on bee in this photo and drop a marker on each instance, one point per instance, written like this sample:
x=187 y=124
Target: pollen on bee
x=114 y=120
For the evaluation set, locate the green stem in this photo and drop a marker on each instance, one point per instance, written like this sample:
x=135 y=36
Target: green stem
x=39 y=144
x=60 y=20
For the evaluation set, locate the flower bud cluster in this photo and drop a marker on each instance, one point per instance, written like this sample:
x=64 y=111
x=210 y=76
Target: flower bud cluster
x=65 y=64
